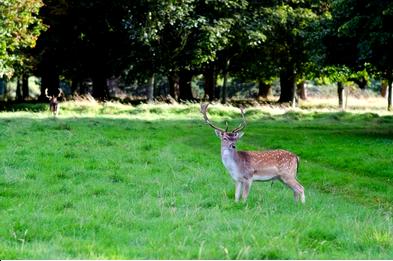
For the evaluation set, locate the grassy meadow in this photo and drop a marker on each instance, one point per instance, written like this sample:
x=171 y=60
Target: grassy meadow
x=112 y=181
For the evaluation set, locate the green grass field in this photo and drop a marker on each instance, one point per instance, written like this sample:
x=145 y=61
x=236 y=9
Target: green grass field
x=119 y=182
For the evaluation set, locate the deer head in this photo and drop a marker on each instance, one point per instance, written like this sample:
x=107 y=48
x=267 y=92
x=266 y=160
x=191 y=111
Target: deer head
x=228 y=138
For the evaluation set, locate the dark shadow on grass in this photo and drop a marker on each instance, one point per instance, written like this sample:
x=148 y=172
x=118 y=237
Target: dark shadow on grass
x=30 y=106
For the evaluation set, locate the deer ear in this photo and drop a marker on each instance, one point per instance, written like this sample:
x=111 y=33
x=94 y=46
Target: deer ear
x=239 y=135
x=218 y=133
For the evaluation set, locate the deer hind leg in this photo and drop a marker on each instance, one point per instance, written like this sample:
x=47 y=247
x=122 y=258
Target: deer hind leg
x=297 y=188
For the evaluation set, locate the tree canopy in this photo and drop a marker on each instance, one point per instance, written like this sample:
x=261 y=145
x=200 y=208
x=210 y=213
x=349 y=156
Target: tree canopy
x=20 y=27
x=252 y=40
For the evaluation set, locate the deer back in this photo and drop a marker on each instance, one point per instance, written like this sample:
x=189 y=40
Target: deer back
x=268 y=164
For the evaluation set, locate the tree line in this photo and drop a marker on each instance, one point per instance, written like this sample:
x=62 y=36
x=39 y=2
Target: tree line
x=250 y=40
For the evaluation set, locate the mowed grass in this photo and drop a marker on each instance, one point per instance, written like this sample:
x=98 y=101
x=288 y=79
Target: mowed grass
x=147 y=182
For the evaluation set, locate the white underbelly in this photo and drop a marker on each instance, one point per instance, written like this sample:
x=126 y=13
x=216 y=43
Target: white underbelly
x=263 y=178
x=266 y=174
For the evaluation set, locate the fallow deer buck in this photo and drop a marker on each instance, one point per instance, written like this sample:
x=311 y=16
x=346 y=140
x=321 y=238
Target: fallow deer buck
x=248 y=166
x=54 y=102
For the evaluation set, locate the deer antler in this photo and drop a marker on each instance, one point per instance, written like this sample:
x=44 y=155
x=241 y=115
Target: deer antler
x=60 y=92
x=46 y=93
x=242 y=124
x=204 y=112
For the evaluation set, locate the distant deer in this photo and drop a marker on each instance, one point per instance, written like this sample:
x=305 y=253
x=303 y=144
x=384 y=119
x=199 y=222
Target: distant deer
x=53 y=102
x=248 y=166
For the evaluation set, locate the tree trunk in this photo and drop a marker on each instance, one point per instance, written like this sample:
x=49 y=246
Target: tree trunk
x=185 y=90
x=84 y=88
x=384 y=88
x=264 y=89
x=150 y=89
x=3 y=87
x=173 y=81
x=225 y=83
x=49 y=80
x=100 y=87
x=390 y=82
x=224 y=89
x=294 y=97
x=18 y=95
x=156 y=88
x=340 y=93
x=287 y=84
x=25 y=86
x=361 y=83
x=75 y=84
x=210 y=82
x=301 y=90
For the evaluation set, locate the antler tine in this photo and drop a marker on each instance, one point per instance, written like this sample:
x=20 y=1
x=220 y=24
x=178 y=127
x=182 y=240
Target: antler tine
x=242 y=124
x=204 y=113
x=60 y=92
x=46 y=93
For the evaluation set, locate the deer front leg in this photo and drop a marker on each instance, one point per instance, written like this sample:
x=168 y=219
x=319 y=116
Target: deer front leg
x=57 y=110
x=238 y=190
x=246 y=189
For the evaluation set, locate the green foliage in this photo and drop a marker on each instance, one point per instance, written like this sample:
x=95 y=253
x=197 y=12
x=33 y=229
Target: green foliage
x=147 y=182
x=19 y=29
x=279 y=36
x=293 y=28
x=252 y=40
x=185 y=35
x=360 y=36
x=334 y=74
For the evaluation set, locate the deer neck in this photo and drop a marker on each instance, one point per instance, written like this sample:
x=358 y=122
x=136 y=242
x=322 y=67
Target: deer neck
x=228 y=152
x=229 y=157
